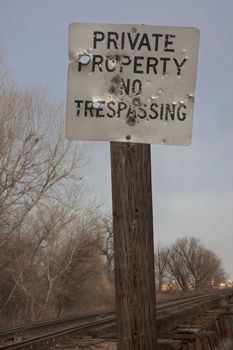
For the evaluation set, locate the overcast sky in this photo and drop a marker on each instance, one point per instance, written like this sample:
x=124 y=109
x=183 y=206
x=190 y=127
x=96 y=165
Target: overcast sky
x=192 y=186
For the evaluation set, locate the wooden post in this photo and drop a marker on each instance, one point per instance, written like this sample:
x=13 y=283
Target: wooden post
x=133 y=246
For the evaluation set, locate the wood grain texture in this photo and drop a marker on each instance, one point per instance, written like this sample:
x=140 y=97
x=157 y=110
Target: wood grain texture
x=133 y=246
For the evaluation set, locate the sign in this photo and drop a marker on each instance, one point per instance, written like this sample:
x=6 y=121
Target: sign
x=131 y=83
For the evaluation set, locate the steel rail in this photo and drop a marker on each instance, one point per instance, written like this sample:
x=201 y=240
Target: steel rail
x=56 y=334
x=168 y=314
x=8 y=332
x=194 y=298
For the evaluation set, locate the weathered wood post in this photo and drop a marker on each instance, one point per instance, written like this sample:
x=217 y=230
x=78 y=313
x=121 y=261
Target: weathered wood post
x=133 y=245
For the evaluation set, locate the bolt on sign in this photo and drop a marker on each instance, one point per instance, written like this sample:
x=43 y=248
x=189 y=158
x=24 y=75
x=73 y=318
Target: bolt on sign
x=131 y=83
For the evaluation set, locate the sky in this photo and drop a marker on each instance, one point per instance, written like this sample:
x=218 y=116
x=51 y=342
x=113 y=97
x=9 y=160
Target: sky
x=192 y=186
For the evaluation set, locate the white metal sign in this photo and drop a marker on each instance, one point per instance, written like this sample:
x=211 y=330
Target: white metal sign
x=132 y=83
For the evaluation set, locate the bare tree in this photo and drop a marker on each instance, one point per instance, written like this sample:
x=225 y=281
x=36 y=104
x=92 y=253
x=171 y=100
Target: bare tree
x=49 y=235
x=193 y=266
x=161 y=261
x=107 y=244
x=50 y=269
x=34 y=155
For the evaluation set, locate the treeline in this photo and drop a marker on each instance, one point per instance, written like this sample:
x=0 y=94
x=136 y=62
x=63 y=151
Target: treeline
x=52 y=236
x=189 y=265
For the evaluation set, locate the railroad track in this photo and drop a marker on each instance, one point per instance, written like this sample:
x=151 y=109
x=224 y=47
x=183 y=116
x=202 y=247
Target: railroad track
x=48 y=334
x=58 y=322
x=51 y=337
x=182 y=301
